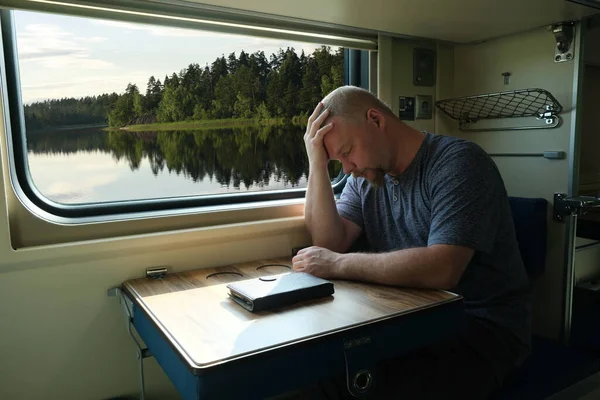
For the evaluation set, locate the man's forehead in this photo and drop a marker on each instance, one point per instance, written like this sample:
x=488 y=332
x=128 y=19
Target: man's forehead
x=333 y=140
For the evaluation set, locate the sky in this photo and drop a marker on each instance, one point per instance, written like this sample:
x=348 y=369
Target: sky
x=61 y=56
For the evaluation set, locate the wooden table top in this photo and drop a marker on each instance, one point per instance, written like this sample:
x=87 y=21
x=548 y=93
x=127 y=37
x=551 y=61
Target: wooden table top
x=194 y=312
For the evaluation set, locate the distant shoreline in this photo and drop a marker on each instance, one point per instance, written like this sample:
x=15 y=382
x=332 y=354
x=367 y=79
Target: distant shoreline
x=182 y=125
x=68 y=128
x=207 y=124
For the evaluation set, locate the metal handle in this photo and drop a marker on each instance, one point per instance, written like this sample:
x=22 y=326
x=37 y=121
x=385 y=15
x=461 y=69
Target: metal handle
x=551 y=122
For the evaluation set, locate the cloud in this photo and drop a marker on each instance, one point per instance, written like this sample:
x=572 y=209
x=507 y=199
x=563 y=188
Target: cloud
x=51 y=47
x=81 y=86
x=94 y=172
x=81 y=190
x=37 y=54
x=95 y=39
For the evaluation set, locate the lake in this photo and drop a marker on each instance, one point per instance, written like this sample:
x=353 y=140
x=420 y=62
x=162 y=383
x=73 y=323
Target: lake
x=92 y=165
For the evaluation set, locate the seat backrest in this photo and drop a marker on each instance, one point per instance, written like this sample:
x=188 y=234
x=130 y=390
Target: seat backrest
x=530 y=219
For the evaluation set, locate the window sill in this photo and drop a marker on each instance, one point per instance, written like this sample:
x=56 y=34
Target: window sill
x=33 y=228
x=180 y=242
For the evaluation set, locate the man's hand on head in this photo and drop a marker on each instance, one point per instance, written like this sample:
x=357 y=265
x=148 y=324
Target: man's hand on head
x=318 y=261
x=313 y=138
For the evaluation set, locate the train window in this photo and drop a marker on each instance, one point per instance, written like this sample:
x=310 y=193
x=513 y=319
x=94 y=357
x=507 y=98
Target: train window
x=119 y=115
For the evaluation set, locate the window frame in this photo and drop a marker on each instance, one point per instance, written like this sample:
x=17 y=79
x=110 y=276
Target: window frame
x=25 y=190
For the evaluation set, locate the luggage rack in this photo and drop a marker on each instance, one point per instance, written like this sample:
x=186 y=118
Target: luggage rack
x=534 y=102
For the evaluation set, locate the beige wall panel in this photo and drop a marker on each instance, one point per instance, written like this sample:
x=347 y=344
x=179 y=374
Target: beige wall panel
x=385 y=71
x=444 y=87
x=402 y=79
x=62 y=337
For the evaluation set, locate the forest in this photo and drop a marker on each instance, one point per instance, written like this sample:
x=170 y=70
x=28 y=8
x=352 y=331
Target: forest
x=286 y=86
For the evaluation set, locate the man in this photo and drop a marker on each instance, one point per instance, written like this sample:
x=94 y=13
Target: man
x=435 y=214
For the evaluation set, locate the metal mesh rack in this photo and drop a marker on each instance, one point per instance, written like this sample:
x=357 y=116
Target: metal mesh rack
x=538 y=103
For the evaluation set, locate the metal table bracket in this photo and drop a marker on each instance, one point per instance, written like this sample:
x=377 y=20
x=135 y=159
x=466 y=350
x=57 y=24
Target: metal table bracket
x=568 y=209
x=359 y=366
x=573 y=206
x=141 y=352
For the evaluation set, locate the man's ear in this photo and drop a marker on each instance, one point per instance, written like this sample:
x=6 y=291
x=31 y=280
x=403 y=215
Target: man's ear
x=376 y=117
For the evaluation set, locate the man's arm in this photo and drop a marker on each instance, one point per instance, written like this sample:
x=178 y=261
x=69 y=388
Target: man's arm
x=437 y=266
x=467 y=194
x=322 y=220
x=321 y=217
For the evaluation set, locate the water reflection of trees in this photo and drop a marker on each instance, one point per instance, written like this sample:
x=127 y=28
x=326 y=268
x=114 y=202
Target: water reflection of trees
x=68 y=141
x=252 y=156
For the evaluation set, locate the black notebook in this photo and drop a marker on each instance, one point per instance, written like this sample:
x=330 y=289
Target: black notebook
x=278 y=290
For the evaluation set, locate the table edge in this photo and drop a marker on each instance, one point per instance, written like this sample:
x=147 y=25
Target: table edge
x=194 y=366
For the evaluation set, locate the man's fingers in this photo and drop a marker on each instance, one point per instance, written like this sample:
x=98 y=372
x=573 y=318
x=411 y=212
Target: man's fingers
x=321 y=132
x=300 y=252
x=297 y=258
x=315 y=113
x=306 y=249
x=316 y=124
x=298 y=266
x=321 y=118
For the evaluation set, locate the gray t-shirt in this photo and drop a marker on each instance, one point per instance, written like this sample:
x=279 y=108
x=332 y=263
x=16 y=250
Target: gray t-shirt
x=451 y=193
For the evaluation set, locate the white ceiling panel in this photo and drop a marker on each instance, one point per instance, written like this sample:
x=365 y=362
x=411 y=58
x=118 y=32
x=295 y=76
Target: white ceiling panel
x=458 y=21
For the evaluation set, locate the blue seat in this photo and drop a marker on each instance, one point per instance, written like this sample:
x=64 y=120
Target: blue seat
x=530 y=217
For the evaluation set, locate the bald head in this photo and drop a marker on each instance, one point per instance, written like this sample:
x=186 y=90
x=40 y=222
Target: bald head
x=351 y=103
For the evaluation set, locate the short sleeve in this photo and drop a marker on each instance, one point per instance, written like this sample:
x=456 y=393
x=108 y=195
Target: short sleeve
x=349 y=205
x=466 y=194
